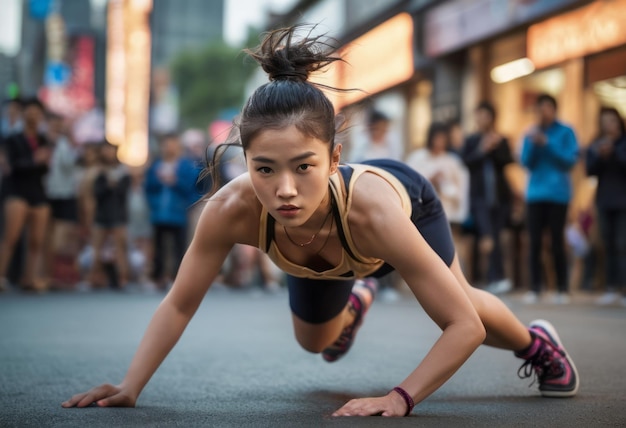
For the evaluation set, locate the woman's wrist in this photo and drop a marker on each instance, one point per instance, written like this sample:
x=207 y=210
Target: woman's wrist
x=405 y=398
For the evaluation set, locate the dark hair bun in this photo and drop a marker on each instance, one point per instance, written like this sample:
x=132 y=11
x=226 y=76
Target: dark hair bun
x=284 y=55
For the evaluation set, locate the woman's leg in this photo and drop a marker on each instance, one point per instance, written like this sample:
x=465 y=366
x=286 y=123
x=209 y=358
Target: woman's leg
x=322 y=309
x=504 y=330
x=158 y=255
x=15 y=217
x=557 y=215
x=120 y=238
x=536 y=219
x=98 y=238
x=620 y=249
x=38 y=217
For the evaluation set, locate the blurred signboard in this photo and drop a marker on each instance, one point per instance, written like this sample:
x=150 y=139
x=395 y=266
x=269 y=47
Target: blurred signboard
x=39 y=9
x=128 y=78
x=380 y=59
x=590 y=29
x=459 y=23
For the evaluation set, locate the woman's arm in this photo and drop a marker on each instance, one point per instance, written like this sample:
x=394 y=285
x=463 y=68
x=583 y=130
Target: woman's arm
x=392 y=237
x=221 y=224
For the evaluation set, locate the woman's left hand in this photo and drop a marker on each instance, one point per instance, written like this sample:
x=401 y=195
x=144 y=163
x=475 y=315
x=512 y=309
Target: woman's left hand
x=391 y=404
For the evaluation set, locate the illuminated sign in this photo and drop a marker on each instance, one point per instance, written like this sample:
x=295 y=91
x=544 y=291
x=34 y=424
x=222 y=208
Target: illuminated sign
x=128 y=78
x=591 y=29
x=378 y=60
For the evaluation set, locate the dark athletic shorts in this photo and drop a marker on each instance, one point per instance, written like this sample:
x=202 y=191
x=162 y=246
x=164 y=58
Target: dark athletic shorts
x=64 y=209
x=318 y=300
x=33 y=197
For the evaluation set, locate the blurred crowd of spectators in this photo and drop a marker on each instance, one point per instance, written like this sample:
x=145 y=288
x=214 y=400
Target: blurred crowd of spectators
x=74 y=217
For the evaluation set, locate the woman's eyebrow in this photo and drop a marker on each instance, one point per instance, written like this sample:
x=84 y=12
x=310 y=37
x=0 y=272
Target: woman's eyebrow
x=305 y=155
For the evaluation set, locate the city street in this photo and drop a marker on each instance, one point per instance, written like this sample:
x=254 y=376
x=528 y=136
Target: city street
x=238 y=365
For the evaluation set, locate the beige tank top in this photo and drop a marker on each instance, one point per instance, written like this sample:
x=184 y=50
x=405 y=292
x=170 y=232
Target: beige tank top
x=352 y=264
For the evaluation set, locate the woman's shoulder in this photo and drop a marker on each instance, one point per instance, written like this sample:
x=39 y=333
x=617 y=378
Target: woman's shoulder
x=373 y=197
x=236 y=209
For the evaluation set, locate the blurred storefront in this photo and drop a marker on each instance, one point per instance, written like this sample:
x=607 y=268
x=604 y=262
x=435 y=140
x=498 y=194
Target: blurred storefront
x=573 y=50
x=421 y=60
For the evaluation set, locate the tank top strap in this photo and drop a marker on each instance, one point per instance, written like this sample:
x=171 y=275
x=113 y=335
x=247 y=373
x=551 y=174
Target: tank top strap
x=350 y=173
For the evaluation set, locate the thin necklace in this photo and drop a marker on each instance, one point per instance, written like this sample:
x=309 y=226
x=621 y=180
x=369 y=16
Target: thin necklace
x=310 y=241
x=332 y=221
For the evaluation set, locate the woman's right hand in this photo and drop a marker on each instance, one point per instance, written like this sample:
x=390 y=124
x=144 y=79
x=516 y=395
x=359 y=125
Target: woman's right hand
x=103 y=396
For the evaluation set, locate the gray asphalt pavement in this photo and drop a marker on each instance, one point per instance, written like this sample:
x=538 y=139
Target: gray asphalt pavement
x=237 y=365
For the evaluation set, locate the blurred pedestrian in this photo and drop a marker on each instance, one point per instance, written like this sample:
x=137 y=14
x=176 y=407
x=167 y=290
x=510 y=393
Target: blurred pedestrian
x=379 y=142
x=549 y=152
x=170 y=190
x=606 y=159
x=63 y=242
x=110 y=189
x=12 y=122
x=486 y=154
x=26 y=206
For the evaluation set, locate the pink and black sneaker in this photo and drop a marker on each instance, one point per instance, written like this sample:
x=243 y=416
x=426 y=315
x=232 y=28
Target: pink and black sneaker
x=359 y=306
x=548 y=360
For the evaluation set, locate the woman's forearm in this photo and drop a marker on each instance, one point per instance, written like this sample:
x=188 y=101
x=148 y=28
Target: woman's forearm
x=447 y=355
x=164 y=330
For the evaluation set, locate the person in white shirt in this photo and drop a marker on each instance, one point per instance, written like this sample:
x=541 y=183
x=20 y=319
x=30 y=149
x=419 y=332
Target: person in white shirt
x=445 y=171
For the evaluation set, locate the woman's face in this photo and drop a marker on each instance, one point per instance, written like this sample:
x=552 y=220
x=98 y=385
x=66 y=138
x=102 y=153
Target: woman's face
x=610 y=124
x=289 y=173
x=440 y=143
x=109 y=154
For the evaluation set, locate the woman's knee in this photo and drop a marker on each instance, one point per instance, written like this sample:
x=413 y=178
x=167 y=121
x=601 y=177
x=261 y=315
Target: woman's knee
x=317 y=337
x=311 y=344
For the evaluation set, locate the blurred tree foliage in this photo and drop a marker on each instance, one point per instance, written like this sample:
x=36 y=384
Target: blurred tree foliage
x=210 y=80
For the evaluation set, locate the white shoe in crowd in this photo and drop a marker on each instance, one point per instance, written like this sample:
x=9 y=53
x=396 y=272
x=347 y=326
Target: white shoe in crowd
x=561 y=299
x=530 y=298
x=608 y=298
x=500 y=287
x=389 y=295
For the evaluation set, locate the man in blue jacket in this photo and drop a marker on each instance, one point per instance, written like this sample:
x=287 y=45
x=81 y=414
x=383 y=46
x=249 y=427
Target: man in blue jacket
x=549 y=152
x=170 y=190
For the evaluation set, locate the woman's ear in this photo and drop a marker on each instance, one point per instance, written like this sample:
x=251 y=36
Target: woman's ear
x=335 y=157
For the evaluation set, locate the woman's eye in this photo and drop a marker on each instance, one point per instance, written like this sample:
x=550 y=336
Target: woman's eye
x=265 y=170
x=304 y=167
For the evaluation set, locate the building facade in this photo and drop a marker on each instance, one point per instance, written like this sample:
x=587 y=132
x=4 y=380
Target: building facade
x=178 y=25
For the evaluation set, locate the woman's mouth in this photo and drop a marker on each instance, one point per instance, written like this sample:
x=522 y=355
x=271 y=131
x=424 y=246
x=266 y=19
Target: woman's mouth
x=288 y=211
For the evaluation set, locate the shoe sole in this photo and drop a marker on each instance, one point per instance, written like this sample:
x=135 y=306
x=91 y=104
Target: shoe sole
x=554 y=336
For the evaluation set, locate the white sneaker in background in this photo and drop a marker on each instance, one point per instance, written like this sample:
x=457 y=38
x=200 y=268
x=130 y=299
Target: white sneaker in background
x=500 y=287
x=561 y=299
x=608 y=298
x=83 y=286
x=388 y=295
x=530 y=298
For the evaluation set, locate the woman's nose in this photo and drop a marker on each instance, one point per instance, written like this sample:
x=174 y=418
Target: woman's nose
x=286 y=186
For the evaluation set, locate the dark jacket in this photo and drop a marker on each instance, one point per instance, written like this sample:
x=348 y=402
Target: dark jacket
x=25 y=176
x=475 y=159
x=611 y=173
